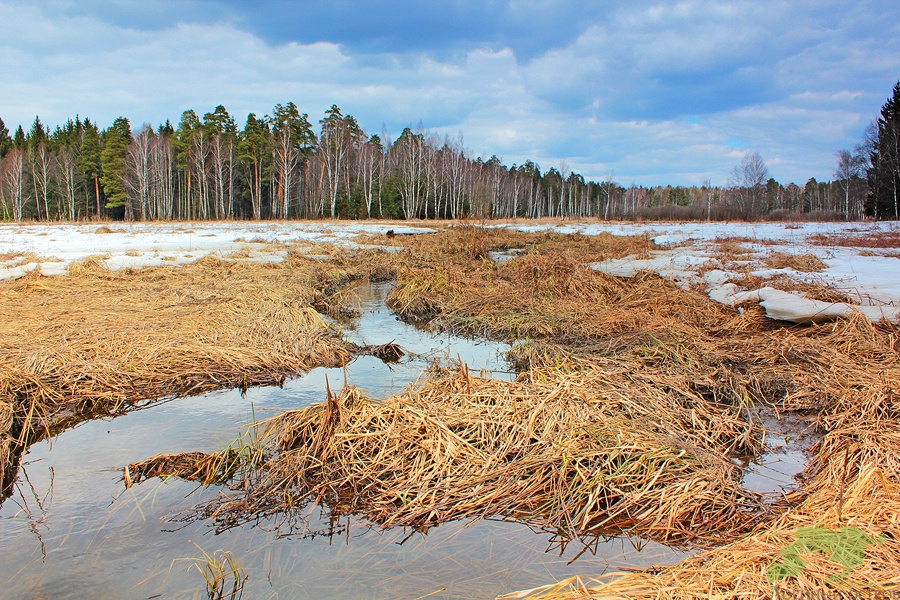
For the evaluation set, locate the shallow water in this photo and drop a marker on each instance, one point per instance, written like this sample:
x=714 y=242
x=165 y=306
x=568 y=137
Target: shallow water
x=788 y=441
x=73 y=531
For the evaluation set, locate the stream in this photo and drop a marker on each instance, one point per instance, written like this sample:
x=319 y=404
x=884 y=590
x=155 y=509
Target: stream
x=72 y=530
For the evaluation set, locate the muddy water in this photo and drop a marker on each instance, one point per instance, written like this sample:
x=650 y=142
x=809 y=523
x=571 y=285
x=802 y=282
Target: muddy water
x=788 y=441
x=72 y=531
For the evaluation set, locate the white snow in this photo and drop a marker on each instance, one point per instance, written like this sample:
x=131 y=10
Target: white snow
x=691 y=248
x=671 y=234
x=689 y=255
x=135 y=245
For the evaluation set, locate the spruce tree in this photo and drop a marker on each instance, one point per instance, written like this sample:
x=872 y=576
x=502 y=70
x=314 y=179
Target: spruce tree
x=19 y=140
x=6 y=142
x=884 y=172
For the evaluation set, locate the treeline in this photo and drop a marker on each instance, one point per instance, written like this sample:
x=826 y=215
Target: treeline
x=278 y=166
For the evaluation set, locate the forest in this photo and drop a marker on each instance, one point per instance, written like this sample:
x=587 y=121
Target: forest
x=279 y=167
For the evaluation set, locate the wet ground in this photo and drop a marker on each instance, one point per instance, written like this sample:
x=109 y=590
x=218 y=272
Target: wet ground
x=788 y=440
x=73 y=531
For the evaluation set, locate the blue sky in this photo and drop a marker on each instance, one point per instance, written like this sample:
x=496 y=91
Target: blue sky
x=652 y=92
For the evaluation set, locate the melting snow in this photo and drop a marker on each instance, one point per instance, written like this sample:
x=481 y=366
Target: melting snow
x=135 y=245
x=690 y=255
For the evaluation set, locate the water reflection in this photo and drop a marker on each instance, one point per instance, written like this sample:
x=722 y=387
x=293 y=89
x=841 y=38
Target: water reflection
x=72 y=531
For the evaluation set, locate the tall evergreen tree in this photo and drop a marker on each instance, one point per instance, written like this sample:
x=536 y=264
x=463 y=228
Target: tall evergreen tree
x=221 y=130
x=40 y=160
x=183 y=143
x=67 y=140
x=112 y=160
x=294 y=141
x=254 y=148
x=6 y=142
x=884 y=162
x=89 y=162
x=19 y=139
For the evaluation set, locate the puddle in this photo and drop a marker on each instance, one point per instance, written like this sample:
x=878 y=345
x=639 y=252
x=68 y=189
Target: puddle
x=788 y=440
x=72 y=531
x=499 y=256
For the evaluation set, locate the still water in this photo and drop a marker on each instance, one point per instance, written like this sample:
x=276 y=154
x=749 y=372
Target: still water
x=73 y=531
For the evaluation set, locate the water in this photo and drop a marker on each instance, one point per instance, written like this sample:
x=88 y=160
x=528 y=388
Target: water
x=499 y=256
x=788 y=440
x=73 y=531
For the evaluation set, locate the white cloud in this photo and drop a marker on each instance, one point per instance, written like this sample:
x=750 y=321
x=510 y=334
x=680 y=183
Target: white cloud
x=657 y=93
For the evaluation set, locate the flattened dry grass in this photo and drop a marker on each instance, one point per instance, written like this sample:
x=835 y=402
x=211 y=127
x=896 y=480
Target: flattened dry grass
x=96 y=342
x=633 y=395
x=813 y=290
x=805 y=263
x=635 y=442
x=570 y=455
x=847 y=371
x=872 y=239
x=845 y=375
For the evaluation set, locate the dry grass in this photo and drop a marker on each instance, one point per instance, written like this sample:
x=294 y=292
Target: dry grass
x=569 y=454
x=815 y=291
x=18 y=258
x=875 y=239
x=805 y=263
x=853 y=483
x=847 y=372
x=884 y=253
x=97 y=342
x=632 y=398
x=624 y=426
x=734 y=248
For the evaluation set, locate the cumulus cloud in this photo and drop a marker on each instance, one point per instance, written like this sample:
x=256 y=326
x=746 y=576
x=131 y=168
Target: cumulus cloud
x=656 y=92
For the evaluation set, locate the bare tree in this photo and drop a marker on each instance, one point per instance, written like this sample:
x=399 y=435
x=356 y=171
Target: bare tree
x=608 y=184
x=369 y=158
x=748 y=180
x=409 y=158
x=15 y=177
x=849 y=166
x=293 y=139
x=41 y=177
x=66 y=165
x=138 y=168
x=162 y=162
x=334 y=146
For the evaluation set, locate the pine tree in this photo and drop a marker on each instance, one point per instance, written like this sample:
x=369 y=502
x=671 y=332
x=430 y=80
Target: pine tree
x=884 y=171
x=293 y=142
x=221 y=129
x=40 y=160
x=254 y=147
x=183 y=144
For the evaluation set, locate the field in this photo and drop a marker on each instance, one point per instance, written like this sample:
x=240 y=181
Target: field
x=650 y=366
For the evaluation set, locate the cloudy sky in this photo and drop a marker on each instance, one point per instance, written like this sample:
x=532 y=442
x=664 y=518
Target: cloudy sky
x=653 y=92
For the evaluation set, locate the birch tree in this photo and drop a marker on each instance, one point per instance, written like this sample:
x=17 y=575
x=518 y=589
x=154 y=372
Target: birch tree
x=15 y=179
x=221 y=130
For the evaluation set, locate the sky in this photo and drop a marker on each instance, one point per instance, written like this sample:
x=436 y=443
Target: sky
x=650 y=92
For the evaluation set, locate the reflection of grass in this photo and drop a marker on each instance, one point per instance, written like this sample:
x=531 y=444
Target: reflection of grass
x=846 y=546
x=242 y=458
x=222 y=572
